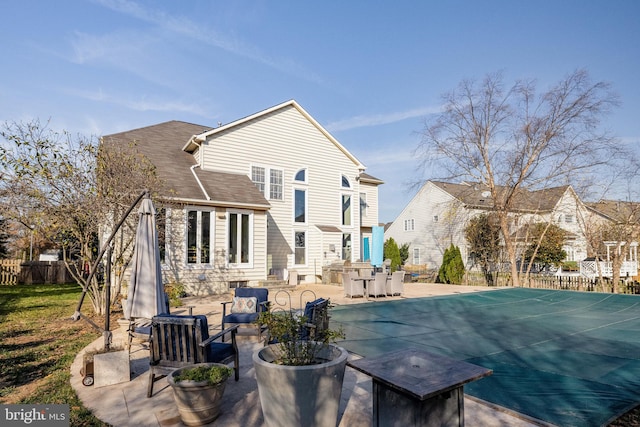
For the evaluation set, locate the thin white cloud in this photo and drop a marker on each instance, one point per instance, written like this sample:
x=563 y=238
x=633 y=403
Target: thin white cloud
x=115 y=48
x=380 y=119
x=207 y=35
x=142 y=104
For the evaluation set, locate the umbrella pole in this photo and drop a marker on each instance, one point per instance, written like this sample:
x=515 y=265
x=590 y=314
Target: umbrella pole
x=77 y=313
x=107 y=317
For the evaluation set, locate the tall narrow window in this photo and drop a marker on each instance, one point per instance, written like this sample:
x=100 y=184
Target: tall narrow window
x=275 y=184
x=363 y=205
x=346 y=209
x=416 y=256
x=300 y=206
x=346 y=246
x=240 y=239
x=205 y=238
x=258 y=177
x=161 y=225
x=301 y=247
x=199 y=231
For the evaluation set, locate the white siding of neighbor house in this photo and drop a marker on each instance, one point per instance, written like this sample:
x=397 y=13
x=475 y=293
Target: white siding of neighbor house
x=431 y=237
x=285 y=139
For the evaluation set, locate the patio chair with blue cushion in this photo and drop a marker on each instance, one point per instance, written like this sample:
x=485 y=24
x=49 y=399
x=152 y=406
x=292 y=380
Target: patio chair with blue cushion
x=316 y=314
x=177 y=341
x=247 y=304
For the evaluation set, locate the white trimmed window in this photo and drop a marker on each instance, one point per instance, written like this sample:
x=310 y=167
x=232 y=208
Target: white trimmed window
x=271 y=188
x=199 y=236
x=300 y=206
x=346 y=209
x=240 y=238
x=300 y=248
x=257 y=176
x=363 y=205
x=275 y=184
x=409 y=224
x=345 y=182
x=301 y=176
x=416 y=256
x=346 y=246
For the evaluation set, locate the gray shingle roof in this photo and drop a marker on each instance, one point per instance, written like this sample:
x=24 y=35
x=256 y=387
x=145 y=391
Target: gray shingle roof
x=162 y=145
x=478 y=196
x=617 y=211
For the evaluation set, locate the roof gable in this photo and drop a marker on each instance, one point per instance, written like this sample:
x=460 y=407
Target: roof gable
x=194 y=142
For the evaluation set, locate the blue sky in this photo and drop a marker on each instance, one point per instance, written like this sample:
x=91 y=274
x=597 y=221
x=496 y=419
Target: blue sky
x=370 y=72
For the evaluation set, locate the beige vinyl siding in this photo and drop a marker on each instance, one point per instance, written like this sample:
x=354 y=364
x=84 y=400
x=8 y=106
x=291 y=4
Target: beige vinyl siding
x=286 y=140
x=371 y=218
x=214 y=278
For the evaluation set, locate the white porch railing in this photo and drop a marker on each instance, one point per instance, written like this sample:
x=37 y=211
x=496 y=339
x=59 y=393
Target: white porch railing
x=590 y=269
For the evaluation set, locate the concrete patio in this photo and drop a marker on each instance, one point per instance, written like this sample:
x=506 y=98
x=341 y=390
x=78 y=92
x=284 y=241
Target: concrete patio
x=126 y=404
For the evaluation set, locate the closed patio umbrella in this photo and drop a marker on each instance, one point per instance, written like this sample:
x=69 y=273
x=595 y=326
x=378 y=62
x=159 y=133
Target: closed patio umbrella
x=146 y=291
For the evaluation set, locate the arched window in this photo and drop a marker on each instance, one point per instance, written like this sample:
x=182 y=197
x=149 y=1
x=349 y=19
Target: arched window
x=301 y=175
x=345 y=182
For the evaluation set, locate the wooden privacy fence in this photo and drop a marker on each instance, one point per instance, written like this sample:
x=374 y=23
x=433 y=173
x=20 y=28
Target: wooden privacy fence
x=14 y=271
x=44 y=272
x=9 y=271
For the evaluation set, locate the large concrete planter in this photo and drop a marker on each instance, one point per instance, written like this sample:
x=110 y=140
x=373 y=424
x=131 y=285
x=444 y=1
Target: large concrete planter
x=198 y=402
x=293 y=396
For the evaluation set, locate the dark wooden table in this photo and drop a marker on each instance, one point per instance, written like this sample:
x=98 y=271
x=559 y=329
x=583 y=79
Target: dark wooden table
x=415 y=388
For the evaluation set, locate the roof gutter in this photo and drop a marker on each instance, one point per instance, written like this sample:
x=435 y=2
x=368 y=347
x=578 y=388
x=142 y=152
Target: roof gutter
x=199 y=182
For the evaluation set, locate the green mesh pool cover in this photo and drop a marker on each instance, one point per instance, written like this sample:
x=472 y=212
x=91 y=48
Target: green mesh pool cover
x=567 y=358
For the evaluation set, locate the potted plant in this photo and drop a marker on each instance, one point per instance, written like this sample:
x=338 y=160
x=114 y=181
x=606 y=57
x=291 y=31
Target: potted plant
x=198 y=391
x=299 y=379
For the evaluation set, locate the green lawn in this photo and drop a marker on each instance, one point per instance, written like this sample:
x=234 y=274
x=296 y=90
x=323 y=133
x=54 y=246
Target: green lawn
x=38 y=343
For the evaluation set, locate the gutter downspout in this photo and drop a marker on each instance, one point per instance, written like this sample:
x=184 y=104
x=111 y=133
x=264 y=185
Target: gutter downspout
x=199 y=182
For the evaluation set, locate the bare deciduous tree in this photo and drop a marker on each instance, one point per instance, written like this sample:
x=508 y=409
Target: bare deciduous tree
x=515 y=139
x=69 y=189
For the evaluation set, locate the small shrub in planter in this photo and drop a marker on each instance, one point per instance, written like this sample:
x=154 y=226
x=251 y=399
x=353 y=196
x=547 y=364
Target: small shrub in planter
x=198 y=390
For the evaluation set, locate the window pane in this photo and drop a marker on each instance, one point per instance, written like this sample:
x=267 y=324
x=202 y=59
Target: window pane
x=205 y=238
x=300 y=176
x=346 y=246
x=244 y=250
x=300 y=206
x=346 y=210
x=257 y=176
x=300 y=247
x=275 y=186
x=233 y=238
x=161 y=225
x=345 y=182
x=192 y=242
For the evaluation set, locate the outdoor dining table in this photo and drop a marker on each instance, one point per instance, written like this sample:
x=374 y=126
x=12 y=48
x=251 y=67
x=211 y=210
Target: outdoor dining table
x=365 y=280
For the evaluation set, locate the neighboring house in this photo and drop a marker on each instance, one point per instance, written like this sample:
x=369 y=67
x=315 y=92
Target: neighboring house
x=623 y=221
x=255 y=199
x=437 y=216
